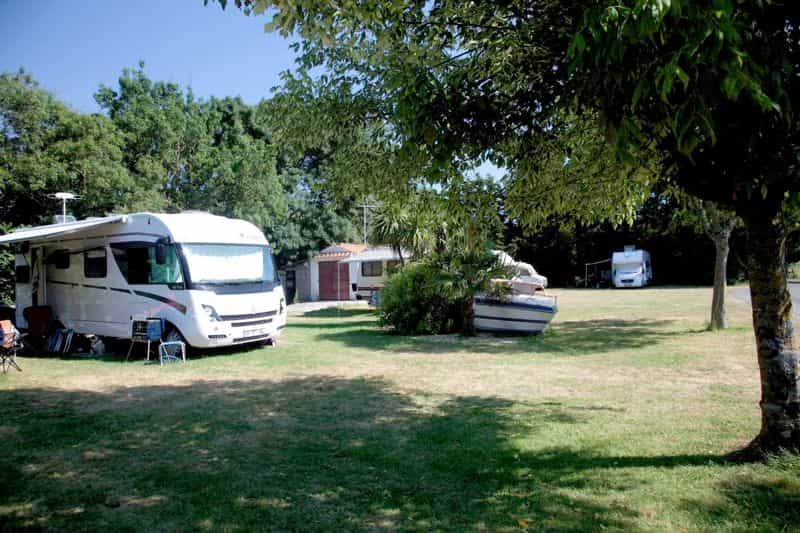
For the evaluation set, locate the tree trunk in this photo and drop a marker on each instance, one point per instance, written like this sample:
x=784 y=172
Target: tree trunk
x=469 y=316
x=719 y=311
x=772 y=322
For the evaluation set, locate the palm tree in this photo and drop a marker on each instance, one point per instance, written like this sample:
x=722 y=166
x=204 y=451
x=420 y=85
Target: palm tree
x=403 y=227
x=464 y=274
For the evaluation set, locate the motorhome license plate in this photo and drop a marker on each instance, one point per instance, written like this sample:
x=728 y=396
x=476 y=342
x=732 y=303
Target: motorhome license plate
x=253 y=332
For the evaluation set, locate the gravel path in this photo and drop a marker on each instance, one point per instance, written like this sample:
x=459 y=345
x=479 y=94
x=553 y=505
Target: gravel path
x=305 y=307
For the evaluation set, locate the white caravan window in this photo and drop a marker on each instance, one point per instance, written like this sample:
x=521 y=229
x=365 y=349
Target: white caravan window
x=138 y=265
x=59 y=259
x=228 y=263
x=372 y=269
x=94 y=263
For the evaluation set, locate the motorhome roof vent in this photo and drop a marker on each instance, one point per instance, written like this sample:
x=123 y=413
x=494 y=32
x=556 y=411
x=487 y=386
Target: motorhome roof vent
x=629 y=248
x=63 y=219
x=195 y=212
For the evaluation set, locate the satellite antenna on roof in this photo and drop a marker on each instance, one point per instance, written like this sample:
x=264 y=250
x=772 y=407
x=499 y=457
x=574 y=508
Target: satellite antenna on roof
x=64 y=197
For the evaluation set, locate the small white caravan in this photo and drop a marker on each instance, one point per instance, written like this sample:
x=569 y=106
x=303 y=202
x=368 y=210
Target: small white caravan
x=631 y=268
x=375 y=265
x=211 y=279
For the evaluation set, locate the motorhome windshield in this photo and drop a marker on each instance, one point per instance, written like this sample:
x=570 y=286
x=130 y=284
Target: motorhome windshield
x=228 y=264
x=629 y=268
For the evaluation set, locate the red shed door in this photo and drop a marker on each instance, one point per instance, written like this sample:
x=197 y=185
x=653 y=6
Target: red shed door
x=334 y=281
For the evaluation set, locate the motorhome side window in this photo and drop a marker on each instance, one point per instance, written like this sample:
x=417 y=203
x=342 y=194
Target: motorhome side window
x=372 y=269
x=94 y=263
x=138 y=265
x=59 y=260
x=23 y=273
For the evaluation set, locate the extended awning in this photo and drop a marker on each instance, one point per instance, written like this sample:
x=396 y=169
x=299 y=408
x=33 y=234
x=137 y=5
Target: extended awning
x=41 y=233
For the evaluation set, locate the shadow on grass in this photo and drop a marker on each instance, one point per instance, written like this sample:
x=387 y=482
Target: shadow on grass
x=313 y=453
x=747 y=503
x=575 y=338
x=586 y=337
x=336 y=312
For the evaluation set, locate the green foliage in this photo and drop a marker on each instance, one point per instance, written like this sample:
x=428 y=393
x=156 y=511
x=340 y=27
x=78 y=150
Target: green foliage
x=214 y=155
x=45 y=147
x=159 y=149
x=703 y=216
x=415 y=222
x=571 y=172
x=6 y=272
x=422 y=92
x=793 y=271
x=473 y=210
x=462 y=275
x=436 y=295
x=458 y=216
x=407 y=91
x=713 y=84
x=313 y=218
x=412 y=304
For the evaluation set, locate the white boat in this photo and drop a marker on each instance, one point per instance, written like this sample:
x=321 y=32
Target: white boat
x=522 y=271
x=526 y=310
x=520 y=313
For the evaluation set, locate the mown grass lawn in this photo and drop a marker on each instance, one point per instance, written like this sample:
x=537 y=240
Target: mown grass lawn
x=619 y=417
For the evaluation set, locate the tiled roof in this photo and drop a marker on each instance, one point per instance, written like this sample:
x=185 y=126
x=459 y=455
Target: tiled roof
x=343 y=248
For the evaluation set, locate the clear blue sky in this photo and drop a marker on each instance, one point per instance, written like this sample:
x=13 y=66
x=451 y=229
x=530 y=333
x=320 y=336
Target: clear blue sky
x=72 y=46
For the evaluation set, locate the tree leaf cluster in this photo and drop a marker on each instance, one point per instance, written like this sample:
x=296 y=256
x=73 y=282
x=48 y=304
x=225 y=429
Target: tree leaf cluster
x=157 y=148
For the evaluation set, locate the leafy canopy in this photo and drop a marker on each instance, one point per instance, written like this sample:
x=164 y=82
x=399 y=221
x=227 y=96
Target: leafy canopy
x=714 y=84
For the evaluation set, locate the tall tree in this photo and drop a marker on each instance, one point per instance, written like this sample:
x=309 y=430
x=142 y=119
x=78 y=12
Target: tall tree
x=213 y=155
x=163 y=131
x=717 y=224
x=712 y=85
x=716 y=87
x=46 y=147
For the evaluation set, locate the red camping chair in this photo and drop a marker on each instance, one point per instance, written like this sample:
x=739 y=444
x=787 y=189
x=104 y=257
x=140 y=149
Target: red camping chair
x=39 y=319
x=9 y=345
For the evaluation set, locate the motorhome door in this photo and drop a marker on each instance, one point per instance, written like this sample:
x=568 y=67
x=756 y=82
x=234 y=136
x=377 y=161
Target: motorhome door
x=38 y=277
x=23 y=288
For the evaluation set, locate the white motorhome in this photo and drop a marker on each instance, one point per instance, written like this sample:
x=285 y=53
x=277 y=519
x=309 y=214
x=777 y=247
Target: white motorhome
x=211 y=279
x=631 y=268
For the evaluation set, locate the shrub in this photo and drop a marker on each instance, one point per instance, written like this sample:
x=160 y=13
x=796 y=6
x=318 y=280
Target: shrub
x=413 y=304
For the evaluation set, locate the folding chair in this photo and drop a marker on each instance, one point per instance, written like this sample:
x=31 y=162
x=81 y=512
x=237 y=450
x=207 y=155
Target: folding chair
x=171 y=351
x=145 y=331
x=11 y=342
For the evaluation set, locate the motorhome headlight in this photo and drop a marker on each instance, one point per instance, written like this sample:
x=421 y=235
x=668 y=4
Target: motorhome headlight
x=211 y=312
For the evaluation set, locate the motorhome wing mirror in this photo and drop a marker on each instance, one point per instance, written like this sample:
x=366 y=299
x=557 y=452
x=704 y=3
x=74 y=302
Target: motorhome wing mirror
x=161 y=252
